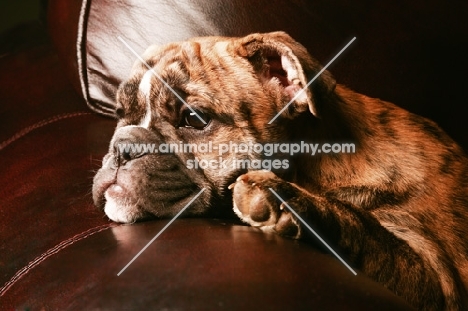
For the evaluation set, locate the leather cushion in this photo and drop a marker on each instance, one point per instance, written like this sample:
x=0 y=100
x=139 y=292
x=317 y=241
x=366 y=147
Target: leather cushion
x=196 y=264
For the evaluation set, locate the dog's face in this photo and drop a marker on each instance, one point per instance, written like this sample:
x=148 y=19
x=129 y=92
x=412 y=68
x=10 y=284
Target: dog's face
x=204 y=91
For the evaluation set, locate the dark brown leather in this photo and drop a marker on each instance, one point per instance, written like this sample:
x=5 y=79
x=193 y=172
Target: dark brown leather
x=411 y=54
x=49 y=146
x=63 y=25
x=194 y=265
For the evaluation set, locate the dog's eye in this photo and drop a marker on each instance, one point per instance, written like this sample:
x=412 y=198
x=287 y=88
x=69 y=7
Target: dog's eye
x=194 y=119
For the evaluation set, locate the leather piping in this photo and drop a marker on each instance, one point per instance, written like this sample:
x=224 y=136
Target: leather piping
x=81 y=51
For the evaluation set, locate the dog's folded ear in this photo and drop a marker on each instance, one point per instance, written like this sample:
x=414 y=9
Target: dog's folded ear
x=276 y=56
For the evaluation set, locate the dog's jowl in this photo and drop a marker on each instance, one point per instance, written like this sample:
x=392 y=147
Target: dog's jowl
x=395 y=204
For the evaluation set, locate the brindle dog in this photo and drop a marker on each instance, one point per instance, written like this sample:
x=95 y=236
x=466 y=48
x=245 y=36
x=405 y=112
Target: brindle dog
x=397 y=208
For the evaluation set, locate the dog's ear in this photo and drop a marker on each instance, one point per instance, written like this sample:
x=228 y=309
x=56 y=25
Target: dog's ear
x=276 y=55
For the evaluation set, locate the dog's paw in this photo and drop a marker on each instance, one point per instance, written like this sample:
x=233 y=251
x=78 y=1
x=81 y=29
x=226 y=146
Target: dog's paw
x=257 y=206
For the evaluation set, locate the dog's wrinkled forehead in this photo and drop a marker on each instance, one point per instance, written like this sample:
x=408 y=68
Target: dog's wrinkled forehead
x=180 y=73
x=143 y=86
x=233 y=80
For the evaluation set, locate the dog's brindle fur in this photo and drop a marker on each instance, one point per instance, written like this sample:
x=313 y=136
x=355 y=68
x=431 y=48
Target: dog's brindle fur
x=396 y=209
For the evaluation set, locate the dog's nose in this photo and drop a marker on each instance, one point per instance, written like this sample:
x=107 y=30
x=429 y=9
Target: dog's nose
x=132 y=142
x=126 y=150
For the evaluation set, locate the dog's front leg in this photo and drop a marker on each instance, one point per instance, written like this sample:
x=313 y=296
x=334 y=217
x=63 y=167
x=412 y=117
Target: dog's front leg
x=354 y=233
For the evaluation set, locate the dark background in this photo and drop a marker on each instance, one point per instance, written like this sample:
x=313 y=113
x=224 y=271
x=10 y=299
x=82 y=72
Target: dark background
x=22 y=24
x=13 y=13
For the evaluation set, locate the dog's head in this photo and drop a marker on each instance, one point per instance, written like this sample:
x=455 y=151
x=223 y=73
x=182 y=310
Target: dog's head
x=205 y=92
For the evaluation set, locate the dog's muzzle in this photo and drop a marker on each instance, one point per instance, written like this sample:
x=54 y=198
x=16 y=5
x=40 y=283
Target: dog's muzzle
x=137 y=182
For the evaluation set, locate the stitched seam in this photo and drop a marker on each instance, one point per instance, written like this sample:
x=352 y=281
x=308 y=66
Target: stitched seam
x=40 y=124
x=54 y=250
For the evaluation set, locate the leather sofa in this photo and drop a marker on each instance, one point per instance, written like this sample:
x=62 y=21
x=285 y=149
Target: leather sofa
x=58 y=252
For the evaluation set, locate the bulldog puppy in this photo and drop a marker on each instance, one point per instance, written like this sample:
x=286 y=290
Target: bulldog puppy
x=396 y=208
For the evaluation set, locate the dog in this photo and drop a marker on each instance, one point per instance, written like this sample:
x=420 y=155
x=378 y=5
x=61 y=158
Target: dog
x=396 y=207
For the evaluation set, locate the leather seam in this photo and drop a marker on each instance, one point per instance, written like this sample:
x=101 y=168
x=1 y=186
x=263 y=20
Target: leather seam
x=40 y=124
x=54 y=250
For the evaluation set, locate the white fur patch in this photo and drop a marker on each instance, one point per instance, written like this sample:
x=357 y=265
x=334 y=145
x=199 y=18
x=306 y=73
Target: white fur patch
x=123 y=213
x=145 y=89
